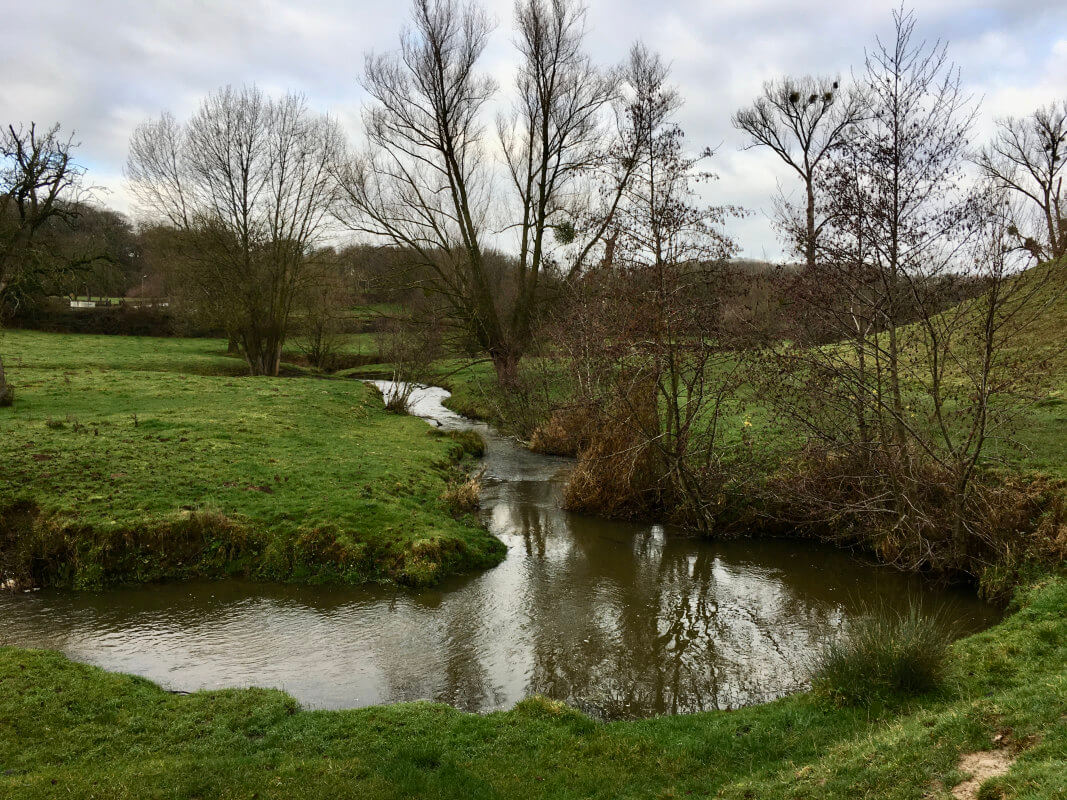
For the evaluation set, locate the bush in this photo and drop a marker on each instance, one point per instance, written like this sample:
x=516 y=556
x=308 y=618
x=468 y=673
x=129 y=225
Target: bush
x=117 y=320
x=464 y=497
x=882 y=655
x=567 y=432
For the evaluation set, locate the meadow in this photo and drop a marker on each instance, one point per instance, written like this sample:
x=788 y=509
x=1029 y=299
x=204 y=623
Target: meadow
x=141 y=459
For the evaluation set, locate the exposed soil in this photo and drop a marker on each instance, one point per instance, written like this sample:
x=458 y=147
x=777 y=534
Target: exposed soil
x=981 y=767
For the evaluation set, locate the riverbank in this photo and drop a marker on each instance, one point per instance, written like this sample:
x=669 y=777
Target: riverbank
x=775 y=481
x=73 y=730
x=137 y=459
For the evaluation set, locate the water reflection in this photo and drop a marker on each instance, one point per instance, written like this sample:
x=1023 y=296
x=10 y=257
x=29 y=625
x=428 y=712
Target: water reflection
x=622 y=620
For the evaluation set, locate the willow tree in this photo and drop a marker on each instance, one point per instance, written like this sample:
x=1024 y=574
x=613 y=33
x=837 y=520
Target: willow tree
x=426 y=184
x=248 y=182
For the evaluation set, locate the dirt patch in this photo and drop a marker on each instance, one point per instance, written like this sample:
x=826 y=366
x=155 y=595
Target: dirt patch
x=981 y=766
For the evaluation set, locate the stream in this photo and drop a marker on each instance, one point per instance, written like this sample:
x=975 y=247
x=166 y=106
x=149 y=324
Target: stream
x=620 y=619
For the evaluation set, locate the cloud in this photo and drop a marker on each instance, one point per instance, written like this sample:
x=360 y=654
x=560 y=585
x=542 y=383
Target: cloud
x=101 y=67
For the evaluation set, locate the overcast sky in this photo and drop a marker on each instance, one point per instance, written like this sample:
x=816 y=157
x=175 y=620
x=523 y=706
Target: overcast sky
x=101 y=66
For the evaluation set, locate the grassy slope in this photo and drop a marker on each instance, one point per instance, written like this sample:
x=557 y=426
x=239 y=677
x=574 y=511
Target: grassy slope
x=1042 y=430
x=128 y=434
x=1038 y=434
x=75 y=731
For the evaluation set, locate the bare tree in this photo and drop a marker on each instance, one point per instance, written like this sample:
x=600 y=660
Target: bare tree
x=553 y=137
x=910 y=157
x=40 y=183
x=1028 y=158
x=254 y=179
x=426 y=186
x=900 y=409
x=643 y=336
x=423 y=183
x=801 y=120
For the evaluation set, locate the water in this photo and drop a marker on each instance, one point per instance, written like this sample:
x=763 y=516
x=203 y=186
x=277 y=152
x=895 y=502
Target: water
x=622 y=620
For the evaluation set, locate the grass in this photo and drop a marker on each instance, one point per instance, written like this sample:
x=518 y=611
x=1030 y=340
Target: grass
x=70 y=730
x=114 y=436
x=883 y=655
x=136 y=459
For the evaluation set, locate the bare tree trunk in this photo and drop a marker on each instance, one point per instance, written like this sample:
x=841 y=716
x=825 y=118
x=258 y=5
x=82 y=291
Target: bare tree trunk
x=809 y=241
x=263 y=354
x=506 y=363
x=7 y=393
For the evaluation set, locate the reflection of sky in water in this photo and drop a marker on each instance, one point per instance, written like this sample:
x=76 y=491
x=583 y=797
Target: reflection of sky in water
x=620 y=619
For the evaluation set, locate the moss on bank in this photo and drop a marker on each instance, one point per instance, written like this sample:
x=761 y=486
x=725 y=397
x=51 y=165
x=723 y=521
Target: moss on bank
x=72 y=730
x=132 y=459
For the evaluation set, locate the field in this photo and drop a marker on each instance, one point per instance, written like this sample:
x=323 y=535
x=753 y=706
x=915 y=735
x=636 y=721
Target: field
x=140 y=459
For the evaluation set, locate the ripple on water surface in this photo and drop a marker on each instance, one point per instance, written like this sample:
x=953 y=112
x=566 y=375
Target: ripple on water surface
x=620 y=619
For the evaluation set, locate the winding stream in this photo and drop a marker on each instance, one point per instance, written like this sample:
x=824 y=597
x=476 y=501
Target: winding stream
x=620 y=619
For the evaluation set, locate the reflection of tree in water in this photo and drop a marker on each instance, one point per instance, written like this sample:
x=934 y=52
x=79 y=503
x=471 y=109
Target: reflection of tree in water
x=670 y=629
x=465 y=681
x=535 y=529
x=621 y=620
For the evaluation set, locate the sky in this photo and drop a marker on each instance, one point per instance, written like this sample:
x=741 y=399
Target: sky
x=99 y=67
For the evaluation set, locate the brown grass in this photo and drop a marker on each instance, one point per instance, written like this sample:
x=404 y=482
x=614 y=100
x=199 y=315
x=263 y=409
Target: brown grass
x=567 y=432
x=616 y=474
x=1012 y=522
x=464 y=497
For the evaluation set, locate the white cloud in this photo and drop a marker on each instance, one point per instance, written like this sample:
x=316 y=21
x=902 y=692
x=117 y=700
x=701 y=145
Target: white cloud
x=101 y=67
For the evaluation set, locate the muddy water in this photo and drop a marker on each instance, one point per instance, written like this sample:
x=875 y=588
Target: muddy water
x=622 y=620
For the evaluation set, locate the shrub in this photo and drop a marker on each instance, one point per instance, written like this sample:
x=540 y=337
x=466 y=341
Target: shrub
x=567 y=432
x=617 y=474
x=397 y=398
x=118 y=320
x=464 y=497
x=882 y=655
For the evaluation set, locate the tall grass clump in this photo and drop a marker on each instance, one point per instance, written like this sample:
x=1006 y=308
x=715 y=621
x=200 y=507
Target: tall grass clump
x=464 y=497
x=468 y=443
x=884 y=654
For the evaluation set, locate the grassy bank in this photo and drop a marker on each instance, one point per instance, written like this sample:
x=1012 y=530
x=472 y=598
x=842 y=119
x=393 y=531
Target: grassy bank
x=772 y=475
x=75 y=731
x=138 y=459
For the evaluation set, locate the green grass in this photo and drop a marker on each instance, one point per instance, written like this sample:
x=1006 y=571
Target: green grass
x=1035 y=441
x=113 y=437
x=882 y=655
x=70 y=730
x=148 y=458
